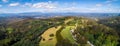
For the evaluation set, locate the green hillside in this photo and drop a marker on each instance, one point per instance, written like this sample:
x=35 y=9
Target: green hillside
x=59 y=31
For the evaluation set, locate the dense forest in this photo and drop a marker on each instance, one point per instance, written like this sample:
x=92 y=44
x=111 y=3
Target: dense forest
x=68 y=31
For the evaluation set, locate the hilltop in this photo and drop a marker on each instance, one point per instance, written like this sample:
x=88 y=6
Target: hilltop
x=58 y=31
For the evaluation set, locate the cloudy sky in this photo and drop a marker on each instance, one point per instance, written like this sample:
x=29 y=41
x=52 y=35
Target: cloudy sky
x=85 y=6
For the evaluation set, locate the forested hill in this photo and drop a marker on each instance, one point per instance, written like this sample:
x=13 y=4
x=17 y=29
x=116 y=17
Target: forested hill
x=61 y=31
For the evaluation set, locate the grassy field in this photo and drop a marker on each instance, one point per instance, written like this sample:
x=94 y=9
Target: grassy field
x=66 y=34
x=49 y=41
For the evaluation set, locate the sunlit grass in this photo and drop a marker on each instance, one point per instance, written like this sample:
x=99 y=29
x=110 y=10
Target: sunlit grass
x=67 y=34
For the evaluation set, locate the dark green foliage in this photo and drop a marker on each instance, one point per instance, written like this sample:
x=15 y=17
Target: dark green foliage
x=97 y=34
x=51 y=35
x=61 y=41
x=28 y=32
x=113 y=22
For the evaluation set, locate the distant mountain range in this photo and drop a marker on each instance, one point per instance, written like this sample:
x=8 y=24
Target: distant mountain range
x=44 y=15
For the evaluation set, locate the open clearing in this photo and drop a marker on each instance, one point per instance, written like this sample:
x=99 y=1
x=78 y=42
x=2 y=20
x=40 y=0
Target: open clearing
x=46 y=39
x=66 y=34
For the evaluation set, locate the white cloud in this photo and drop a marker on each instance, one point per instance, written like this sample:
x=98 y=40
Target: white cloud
x=14 y=4
x=109 y=1
x=27 y=5
x=0 y=5
x=69 y=8
x=99 y=5
x=4 y=0
x=46 y=5
x=109 y=4
x=93 y=9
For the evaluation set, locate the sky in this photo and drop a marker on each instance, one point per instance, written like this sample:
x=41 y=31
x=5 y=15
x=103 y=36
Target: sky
x=79 y=6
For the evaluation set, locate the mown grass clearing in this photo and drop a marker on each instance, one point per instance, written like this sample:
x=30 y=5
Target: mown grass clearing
x=66 y=34
x=47 y=39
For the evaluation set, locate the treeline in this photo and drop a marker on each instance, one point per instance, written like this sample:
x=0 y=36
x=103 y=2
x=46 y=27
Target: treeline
x=113 y=22
x=89 y=30
x=26 y=32
x=97 y=34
